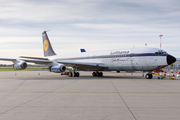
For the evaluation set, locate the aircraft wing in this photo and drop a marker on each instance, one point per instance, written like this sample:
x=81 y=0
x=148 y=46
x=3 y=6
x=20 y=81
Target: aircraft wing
x=27 y=60
x=86 y=66
x=8 y=59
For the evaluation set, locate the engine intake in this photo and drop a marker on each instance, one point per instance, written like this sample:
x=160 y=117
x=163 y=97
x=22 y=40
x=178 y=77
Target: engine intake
x=20 y=65
x=58 y=68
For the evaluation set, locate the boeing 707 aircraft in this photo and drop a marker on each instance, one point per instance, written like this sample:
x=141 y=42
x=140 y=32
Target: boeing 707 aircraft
x=134 y=59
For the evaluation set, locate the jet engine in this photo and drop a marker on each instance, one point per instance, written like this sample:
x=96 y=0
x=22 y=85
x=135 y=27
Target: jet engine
x=58 y=68
x=20 y=65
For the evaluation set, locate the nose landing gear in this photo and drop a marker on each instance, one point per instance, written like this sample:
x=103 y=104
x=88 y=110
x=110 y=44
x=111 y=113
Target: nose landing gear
x=148 y=76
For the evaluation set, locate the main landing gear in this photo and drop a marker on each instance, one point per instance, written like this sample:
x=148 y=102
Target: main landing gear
x=73 y=74
x=98 y=74
x=148 y=76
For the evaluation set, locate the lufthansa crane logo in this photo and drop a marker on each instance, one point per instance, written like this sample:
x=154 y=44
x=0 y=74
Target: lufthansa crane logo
x=46 y=45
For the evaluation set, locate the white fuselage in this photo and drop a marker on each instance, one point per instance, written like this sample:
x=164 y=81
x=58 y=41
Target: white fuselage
x=134 y=59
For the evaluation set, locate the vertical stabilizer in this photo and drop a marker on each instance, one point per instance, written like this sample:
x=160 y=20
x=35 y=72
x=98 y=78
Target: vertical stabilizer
x=48 y=50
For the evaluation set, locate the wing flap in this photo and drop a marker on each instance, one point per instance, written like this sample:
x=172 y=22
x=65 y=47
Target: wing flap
x=37 y=61
x=85 y=66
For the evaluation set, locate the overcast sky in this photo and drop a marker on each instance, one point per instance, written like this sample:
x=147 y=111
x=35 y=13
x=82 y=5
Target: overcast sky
x=90 y=24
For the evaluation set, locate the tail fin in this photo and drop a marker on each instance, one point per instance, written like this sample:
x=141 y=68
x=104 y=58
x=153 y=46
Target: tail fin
x=48 y=50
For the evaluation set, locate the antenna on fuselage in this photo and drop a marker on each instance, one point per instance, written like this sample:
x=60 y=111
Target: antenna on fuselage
x=160 y=39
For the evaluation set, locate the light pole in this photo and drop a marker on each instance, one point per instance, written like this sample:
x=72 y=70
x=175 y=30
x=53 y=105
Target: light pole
x=160 y=39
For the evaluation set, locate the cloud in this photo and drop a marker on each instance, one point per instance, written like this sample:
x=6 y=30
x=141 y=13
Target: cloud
x=85 y=11
x=89 y=24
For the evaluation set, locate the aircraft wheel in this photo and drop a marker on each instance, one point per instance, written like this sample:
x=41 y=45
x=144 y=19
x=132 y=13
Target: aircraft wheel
x=73 y=74
x=100 y=74
x=70 y=74
x=149 y=76
x=77 y=74
x=93 y=74
x=97 y=73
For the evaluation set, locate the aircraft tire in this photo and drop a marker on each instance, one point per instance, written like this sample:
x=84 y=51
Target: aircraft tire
x=97 y=73
x=100 y=74
x=149 y=76
x=93 y=74
x=70 y=74
x=77 y=74
x=74 y=74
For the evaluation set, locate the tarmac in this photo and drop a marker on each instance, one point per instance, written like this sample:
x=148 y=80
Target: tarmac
x=41 y=95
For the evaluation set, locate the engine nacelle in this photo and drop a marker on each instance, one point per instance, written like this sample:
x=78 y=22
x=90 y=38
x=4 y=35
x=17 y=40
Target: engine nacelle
x=20 y=65
x=58 y=68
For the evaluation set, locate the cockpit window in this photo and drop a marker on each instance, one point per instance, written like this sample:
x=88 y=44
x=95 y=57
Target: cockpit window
x=161 y=52
x=165 y=52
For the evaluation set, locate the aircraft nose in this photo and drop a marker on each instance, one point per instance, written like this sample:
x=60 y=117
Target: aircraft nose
x=170 y=59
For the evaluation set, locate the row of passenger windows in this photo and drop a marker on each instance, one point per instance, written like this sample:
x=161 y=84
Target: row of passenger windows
x=108 y=56
x=160 y=52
